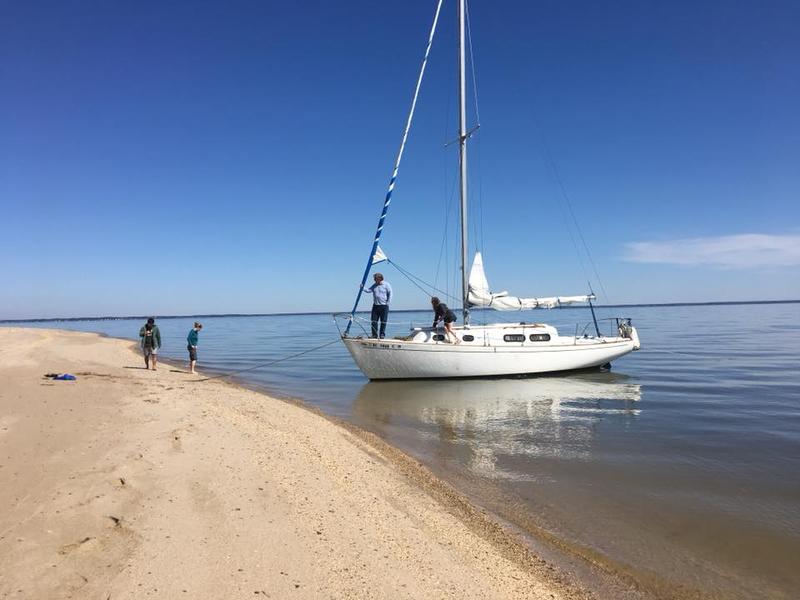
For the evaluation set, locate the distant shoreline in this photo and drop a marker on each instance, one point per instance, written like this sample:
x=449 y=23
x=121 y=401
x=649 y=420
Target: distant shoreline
x=408 y=310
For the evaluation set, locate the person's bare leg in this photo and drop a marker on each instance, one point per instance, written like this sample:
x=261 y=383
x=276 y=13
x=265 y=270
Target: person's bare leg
x=146 y=361
x=451 y=334
x=191 y=366
x=155 y=361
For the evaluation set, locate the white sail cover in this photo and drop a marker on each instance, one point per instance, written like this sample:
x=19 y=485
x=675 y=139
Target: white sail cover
x=480 y=294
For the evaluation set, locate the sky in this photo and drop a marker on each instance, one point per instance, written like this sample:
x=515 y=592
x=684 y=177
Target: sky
x=232 y=157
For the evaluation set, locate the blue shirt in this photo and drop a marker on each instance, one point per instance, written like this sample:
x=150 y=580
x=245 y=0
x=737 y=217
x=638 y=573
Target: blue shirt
x=381 y=293
x=192 y=337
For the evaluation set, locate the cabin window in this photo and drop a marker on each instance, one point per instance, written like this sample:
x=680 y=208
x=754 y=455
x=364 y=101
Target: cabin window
x=438 y=337
x=513 y=337
x=539 y=337
x=468 y=338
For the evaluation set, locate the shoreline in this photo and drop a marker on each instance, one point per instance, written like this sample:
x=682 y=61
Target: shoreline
x=441 y=530
x=21 y=322
x=597 y=573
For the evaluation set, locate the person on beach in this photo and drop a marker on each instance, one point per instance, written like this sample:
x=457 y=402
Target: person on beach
x=441 y=312
x=381 y=296
x=192 y=347
x=151 y=342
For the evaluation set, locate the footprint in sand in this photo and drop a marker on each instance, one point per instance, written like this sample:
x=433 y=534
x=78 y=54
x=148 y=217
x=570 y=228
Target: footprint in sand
x=70 y=547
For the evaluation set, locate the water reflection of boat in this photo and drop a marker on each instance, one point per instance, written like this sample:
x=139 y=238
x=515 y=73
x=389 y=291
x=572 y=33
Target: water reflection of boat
x=488 y=425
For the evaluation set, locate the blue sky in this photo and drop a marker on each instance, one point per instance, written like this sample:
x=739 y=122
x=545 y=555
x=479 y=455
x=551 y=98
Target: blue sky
x=202 y=157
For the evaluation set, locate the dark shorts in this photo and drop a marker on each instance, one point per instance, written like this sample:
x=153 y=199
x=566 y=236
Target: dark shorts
x=450 y=317
x=192 y=352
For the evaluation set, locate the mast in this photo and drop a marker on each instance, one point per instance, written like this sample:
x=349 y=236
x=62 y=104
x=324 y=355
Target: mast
x=462 y=154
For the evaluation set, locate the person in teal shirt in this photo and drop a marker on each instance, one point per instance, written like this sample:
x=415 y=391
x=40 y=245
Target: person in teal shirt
x=192 y=347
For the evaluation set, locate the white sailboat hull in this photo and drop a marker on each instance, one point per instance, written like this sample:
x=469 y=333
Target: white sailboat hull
x=422 y=358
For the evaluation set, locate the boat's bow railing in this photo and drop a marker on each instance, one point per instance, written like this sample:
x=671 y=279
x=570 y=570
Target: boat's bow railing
x=616 y=326
x=344 y=321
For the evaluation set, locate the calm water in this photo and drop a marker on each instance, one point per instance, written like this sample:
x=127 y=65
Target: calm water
x=680 y=467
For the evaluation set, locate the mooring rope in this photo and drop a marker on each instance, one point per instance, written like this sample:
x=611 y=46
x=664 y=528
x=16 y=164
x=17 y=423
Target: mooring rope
x=267 y=364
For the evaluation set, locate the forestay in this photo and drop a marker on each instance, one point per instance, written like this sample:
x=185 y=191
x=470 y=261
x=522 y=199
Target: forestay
x=480 y=294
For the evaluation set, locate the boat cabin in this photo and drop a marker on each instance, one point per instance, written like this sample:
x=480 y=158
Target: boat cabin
x=499 y=334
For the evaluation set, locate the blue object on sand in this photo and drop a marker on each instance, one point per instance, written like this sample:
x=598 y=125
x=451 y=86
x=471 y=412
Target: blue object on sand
x=66 y=377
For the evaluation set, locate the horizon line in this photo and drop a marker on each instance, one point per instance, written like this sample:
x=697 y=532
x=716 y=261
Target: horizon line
x=405 y=310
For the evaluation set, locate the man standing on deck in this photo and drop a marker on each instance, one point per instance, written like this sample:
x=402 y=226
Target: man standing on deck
x=151 y=342
x=381 y=296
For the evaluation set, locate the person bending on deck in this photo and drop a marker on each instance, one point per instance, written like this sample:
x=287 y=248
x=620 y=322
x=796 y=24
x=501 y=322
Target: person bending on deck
x=442 y=313
x=381 y=296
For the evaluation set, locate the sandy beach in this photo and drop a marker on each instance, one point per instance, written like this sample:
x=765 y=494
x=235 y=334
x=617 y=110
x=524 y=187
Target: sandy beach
x=130 y=483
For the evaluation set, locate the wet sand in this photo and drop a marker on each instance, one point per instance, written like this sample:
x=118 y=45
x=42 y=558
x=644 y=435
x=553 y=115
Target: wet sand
x=130 y=483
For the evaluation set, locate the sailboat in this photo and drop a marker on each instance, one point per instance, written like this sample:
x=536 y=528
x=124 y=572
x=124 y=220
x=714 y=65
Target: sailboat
x=490 y=350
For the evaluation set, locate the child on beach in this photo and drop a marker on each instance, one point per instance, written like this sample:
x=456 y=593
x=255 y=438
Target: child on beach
x=192 y=347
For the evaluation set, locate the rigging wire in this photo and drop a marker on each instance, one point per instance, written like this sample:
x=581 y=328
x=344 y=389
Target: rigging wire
x=447 y=192
x=472 y=65
x=568 y=227
x=445 y=237
x=562 y=188
x=414 y=279
x=477 y=223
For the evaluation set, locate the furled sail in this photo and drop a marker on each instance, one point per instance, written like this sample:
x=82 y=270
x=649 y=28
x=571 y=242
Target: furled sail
x=480 y=294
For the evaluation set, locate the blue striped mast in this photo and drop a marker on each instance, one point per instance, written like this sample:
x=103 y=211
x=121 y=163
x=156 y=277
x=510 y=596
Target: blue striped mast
x=388 y=198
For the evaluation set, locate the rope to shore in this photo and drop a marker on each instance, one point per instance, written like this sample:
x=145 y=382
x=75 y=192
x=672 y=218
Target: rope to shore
x=267 y=364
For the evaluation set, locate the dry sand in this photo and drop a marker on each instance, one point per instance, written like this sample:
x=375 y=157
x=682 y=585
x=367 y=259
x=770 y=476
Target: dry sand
x=131 y=483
